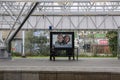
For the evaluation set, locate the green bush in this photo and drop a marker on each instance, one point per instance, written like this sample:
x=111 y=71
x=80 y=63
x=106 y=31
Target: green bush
x=16 y=54
x=113 y=41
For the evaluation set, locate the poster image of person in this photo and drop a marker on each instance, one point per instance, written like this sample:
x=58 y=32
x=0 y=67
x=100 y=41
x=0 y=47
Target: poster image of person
x=62 y=40
x=67 y=42
x=59 y=41
x=66 y=39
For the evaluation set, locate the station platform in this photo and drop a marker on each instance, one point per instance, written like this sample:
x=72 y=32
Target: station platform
x=61 y=69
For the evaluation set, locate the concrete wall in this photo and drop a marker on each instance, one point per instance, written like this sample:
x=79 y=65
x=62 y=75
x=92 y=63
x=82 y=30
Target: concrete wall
x=46 y=75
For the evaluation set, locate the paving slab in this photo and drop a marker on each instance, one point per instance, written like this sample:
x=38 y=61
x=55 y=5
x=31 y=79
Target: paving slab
x=61 y=64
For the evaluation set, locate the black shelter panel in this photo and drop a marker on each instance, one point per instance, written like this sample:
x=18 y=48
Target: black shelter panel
x=62 y=40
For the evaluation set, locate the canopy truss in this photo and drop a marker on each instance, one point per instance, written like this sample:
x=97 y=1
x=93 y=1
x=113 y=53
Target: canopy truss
x=65 y=14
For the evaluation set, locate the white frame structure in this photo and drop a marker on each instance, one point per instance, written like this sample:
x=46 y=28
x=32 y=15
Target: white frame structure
x=61 y=14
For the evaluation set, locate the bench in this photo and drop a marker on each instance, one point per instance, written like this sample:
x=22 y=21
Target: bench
x=69 y=53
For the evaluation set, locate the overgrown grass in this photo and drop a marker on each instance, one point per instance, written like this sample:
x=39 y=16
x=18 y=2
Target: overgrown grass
x=64 y=57
x=82 y=55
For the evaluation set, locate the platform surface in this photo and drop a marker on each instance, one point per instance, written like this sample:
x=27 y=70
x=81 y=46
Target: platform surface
x=61 y=64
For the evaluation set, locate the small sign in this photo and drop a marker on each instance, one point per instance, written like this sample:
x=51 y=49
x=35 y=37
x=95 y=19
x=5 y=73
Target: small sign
x=103 y=42
x=50 y=27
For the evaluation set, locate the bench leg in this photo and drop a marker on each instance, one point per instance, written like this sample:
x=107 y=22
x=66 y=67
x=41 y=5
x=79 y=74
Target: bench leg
x=73 y=57
x=50 y=58
x=53 y=58
x=69 y=57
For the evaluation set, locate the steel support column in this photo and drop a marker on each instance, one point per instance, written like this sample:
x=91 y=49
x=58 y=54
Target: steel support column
x=18 y=29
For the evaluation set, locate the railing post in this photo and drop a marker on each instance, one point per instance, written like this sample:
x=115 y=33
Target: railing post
x=118 y=44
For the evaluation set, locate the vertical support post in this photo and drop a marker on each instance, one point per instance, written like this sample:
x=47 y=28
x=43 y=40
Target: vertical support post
x=77 y=53
x=0 y=37
x=23 y=43
x=118 y=45
x=9 y=50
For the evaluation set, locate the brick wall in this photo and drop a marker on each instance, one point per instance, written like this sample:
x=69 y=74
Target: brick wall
x=57 y=75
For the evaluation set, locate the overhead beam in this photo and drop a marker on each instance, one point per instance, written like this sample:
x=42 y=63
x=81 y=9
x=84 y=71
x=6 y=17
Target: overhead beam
x=89 y=13
x=61 y=0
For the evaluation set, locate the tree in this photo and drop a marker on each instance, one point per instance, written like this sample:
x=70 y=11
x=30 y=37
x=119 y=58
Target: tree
x=113 y=40
x=28 y=42
x=36 y=45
